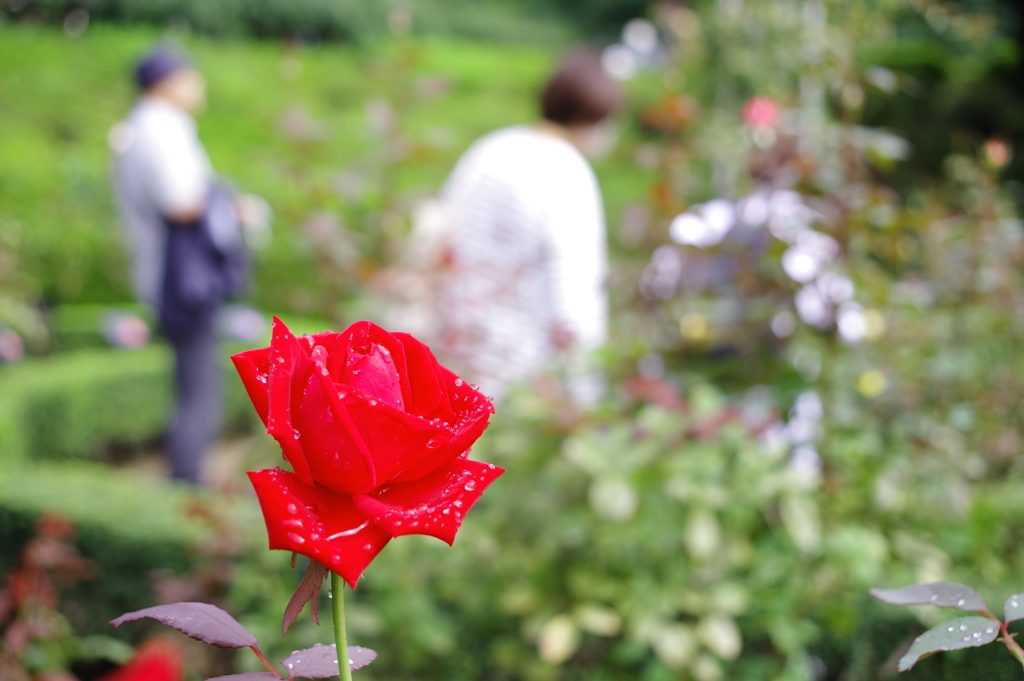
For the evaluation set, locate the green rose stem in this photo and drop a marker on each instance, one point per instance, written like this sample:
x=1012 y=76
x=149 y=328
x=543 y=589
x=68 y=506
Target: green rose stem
x=338 y=610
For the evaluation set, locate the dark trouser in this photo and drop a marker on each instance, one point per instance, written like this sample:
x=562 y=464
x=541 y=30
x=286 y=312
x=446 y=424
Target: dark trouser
x=197 y=403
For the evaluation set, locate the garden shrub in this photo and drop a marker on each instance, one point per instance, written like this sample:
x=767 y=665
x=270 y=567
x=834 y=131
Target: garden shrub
x=646 y=542
x=128 y=526
x=74 y=327
x=315 y=20
x=73 y=405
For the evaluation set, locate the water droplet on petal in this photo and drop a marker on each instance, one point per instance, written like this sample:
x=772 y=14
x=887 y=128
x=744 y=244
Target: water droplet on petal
x=292 y=508
x=960 y=603
x=297 y=538
x=457 y=504
x=470 y=485
x=367 y=547
x=295 y=432
x=458 y=382
x=963 y=627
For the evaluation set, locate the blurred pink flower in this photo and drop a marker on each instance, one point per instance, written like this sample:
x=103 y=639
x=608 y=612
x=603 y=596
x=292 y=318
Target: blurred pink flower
x=760 y=112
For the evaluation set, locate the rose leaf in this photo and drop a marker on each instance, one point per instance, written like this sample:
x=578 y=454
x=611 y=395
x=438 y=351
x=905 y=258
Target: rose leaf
x=1013 y=608
x=321 y=662
x=962 y=632
x=201 y=621
x=945 y=594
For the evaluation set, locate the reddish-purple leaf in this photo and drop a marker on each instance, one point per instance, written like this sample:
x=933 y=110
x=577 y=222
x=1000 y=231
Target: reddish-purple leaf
x=1013 y=608
x=943 y=594
x=308 y=590
x=321 y=662
x=963 y=632
x=249 y=676
x=201 y=621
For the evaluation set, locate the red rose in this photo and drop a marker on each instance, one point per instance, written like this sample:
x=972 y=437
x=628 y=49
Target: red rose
x=377 y=433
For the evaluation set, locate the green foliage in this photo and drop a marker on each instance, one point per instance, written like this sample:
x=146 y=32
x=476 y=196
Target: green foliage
x=314 y=20
x=75 y=405
x=129 y=527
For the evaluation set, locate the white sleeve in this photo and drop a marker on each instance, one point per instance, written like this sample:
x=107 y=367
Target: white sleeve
x=178 y=172
x=580 y=258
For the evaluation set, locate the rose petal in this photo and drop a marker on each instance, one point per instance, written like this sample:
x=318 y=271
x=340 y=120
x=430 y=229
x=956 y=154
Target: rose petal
x=429 y=397
x=253 y=368
x=398 y=441
x=433 y=505
x=339 y=458
x=313 y=521
x=370 y=369
x=363 y=334
x=289 y=375
x=472 y=413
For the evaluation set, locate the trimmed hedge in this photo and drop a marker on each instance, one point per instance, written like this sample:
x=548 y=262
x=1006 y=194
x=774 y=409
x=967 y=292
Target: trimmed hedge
x=74 y=405
x=315 y=20
x=127 y=525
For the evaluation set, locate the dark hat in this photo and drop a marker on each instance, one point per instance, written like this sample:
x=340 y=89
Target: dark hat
x=161 y=62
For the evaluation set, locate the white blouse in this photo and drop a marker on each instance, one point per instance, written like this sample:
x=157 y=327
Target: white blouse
x=528 y=256
x=160 y=168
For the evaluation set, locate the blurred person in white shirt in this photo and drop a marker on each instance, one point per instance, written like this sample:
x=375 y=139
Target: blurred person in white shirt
x=162 y=177
x=526 y=262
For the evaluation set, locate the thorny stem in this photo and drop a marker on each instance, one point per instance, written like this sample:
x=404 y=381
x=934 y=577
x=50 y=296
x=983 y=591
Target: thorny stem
x=266 y=664
x=1013 y=646
x=1007 y=638
x=338 y=610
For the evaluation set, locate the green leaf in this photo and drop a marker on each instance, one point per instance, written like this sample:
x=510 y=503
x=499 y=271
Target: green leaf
x=1013 y=608
x=945 y=594
x=962 y=632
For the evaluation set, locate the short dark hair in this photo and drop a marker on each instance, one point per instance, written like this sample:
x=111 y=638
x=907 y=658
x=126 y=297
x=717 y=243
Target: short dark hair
x=159 y=63
x=580 y=92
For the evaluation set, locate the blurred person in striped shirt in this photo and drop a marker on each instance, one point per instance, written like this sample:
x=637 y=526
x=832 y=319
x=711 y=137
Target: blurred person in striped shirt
x=523 y=256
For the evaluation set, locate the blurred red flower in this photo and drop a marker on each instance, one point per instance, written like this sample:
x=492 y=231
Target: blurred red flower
x=377 y=434
x=156 y=660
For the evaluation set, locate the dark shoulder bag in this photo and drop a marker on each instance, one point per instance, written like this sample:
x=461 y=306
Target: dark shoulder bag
x=205 y=263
